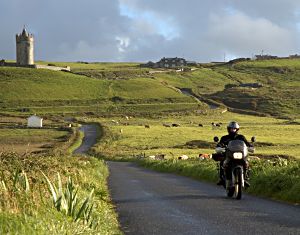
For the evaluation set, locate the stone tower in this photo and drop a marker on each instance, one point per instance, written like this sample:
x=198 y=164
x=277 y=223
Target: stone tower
x=25 y=55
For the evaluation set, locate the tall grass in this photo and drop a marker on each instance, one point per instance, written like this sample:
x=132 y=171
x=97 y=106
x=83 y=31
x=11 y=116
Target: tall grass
x=28 y=207
x=275 y=180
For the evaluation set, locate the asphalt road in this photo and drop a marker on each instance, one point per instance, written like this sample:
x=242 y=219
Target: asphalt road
x=149 y=202
x=89 y=139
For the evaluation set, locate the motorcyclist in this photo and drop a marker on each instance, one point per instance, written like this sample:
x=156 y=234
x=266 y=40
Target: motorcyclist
x=232 y=128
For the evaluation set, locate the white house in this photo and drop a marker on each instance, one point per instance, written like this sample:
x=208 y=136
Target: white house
x=35 y=121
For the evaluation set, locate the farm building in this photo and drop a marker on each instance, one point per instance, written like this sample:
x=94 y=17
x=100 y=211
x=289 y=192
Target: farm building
x=35 y=121
x=175 y=62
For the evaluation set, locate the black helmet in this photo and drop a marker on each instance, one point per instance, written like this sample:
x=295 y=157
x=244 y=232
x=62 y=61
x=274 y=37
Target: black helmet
x=231 y=126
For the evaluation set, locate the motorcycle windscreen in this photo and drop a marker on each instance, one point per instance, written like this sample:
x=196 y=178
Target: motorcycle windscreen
x=238 y=146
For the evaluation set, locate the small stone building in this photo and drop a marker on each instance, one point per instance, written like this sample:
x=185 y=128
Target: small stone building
x=35 y=121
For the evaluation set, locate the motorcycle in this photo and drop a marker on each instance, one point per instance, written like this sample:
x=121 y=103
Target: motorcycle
x=235 y=154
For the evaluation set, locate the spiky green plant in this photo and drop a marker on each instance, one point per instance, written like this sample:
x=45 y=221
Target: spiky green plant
x=20 y=182
x=67 y=201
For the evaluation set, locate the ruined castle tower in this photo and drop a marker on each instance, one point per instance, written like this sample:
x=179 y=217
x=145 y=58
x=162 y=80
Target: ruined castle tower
x=25 y=55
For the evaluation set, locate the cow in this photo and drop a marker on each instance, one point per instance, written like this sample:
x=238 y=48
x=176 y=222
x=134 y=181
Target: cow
x=203 y=156
x=183 y=157
x=160 y=156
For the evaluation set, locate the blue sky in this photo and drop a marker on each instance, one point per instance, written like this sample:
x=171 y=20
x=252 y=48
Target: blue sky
x=143 y=30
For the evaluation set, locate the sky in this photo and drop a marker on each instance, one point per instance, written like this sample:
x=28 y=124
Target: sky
x=144 y=30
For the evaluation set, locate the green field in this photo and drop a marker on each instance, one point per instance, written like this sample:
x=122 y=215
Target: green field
x=31 y=140
x=55 y=137
x=190 y=139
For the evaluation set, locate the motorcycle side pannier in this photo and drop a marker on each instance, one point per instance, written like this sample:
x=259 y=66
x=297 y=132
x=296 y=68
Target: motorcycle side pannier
x=218 y=157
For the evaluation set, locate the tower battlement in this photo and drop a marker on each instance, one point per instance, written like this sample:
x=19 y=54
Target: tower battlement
x=24 y=36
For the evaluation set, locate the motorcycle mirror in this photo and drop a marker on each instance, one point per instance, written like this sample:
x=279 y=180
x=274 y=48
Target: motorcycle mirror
x=216 y=139
x=253 y=139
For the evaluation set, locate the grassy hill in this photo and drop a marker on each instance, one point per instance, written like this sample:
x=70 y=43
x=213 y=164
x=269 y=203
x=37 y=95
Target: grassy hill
x=277 y=93
x=21 y=87
x=107 y=87
x=280 y=91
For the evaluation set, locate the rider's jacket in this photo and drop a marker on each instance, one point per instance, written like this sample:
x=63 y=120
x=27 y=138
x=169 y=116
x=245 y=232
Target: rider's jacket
x=226 y=138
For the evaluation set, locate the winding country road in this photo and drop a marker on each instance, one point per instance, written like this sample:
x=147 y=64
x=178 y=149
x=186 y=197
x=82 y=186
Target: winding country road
x=150 y=202
x=89 y=139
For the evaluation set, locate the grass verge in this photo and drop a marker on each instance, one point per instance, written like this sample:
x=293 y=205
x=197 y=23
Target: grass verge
x=26 y=205
x=77 y=141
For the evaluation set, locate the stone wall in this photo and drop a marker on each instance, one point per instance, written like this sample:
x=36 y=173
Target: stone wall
x=8 y=64
x=55 y=68
x=35 y=66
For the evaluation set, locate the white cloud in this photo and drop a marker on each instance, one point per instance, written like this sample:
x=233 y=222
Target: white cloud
x=243 y=35
x=122 y=43
x=164 y=25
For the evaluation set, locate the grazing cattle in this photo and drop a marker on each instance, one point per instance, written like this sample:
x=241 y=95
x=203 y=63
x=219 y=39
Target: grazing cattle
x=114 y=121
x=157 y=157
x=175 y=125
x=127 y=118
x=140 y=156
x=200 y=125
x=215 y=125
x=183 y=157
x=166 y=125
x=121 y=131
x=160 y=156
x=147 y=126
x=203 y=156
